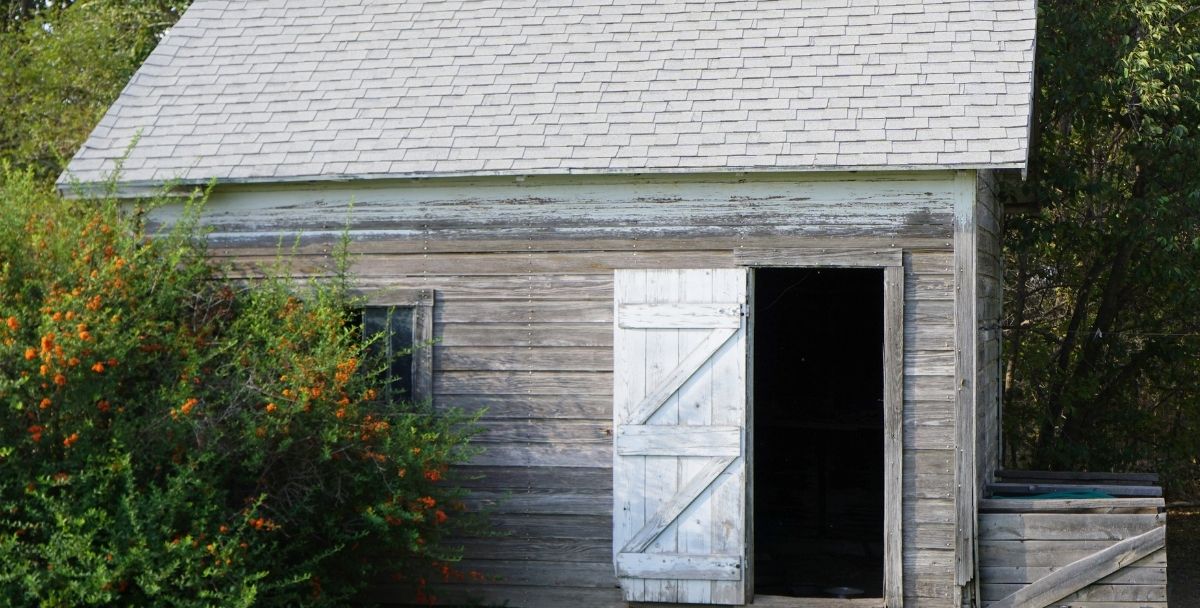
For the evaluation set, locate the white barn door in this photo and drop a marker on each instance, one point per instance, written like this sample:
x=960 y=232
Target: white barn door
x=680 y=523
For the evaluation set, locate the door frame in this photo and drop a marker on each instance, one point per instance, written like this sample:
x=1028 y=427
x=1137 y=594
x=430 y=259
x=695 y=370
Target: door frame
x=891 y=261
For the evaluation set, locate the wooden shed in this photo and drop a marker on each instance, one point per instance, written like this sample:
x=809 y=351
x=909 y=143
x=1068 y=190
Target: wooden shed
x=725 y=275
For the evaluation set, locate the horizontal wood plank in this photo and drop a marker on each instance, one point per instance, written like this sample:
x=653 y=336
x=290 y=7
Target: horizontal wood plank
x=524 y=334
x=513 y=477
x=519 y=285
x=1022 y=476
x=231 y=244
x=581 y=501
x=588 y=526
x=1046 y=553
x=1069 y=504
x=531 y=382
x=522 y=406
x=544 y=455
x=519 y=549
x=819 y=258
x=522 y=358
x=1040 y=488
x=514 y=311
x=1053 y=526
x=1091 y=593
x=500 y=594
x=537 y=573
x=545 y=431
x=1023 y=575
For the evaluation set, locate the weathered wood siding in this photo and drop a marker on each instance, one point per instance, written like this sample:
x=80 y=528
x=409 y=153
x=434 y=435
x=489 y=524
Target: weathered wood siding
x=1114 y=547
x=989 y=292
x=523 y=274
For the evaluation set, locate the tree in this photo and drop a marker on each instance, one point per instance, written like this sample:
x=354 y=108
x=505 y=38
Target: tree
x=1102 y=343
x=64 y=64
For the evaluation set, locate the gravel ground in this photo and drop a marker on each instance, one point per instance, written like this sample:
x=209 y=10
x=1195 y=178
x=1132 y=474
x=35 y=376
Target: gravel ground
x=1183 y=557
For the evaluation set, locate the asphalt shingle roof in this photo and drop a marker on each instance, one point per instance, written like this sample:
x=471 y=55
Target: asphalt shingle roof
x=285 y=90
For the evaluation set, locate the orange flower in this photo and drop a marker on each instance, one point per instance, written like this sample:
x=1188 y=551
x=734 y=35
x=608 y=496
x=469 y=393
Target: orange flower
x=48 y=342
x=98 y=367
x=102 y=405
x=224 y=529
x=70 y=440
x=112 y=362
x=73 y=361
x=403 y=472
x=433 y=475
x=43 y=369
x=271 y=407
x=428 y=501
x=340 y=413
x=30 y=353
x=57 y=316
x=440 y=516
x=45 y=403
x=94 y=303
x=12 y=323
x=60 y=379
x=187 y=406
x=35 y=432
x=70 y=315
x=370 y=394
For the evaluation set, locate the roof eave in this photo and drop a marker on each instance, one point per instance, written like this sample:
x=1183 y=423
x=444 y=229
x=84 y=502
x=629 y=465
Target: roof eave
x=130 y=189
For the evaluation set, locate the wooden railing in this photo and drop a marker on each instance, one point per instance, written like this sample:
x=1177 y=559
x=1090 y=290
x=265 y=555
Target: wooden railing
x=1040 y=547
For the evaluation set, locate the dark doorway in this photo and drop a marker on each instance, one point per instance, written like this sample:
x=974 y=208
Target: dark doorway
x=818 y=432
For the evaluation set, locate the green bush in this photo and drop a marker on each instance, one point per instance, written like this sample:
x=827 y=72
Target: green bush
x=175 y=439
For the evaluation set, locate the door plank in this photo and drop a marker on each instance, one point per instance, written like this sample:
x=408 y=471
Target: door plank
x=680 y=566
x=679 y=441
x=678 y=503
x=683 y=372
x=673 y=315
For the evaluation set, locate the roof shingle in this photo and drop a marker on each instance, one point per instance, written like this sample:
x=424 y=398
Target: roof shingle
x=282 y=90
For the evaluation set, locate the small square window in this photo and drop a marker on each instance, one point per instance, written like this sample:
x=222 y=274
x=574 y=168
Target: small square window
x=405 y=320
x=389 y=330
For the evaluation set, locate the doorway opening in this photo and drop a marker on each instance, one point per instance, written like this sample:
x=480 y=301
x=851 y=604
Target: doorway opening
x=818 y=432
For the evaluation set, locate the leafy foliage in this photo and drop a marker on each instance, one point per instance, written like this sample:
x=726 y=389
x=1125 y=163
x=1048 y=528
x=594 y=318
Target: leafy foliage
x=64 y=64
x=1103 y=286
x=174 y=439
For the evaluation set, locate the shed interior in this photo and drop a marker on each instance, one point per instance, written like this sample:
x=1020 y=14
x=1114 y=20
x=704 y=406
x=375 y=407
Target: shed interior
x=818 y=432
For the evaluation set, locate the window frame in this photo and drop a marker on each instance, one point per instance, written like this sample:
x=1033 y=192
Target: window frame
x=421 y=301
